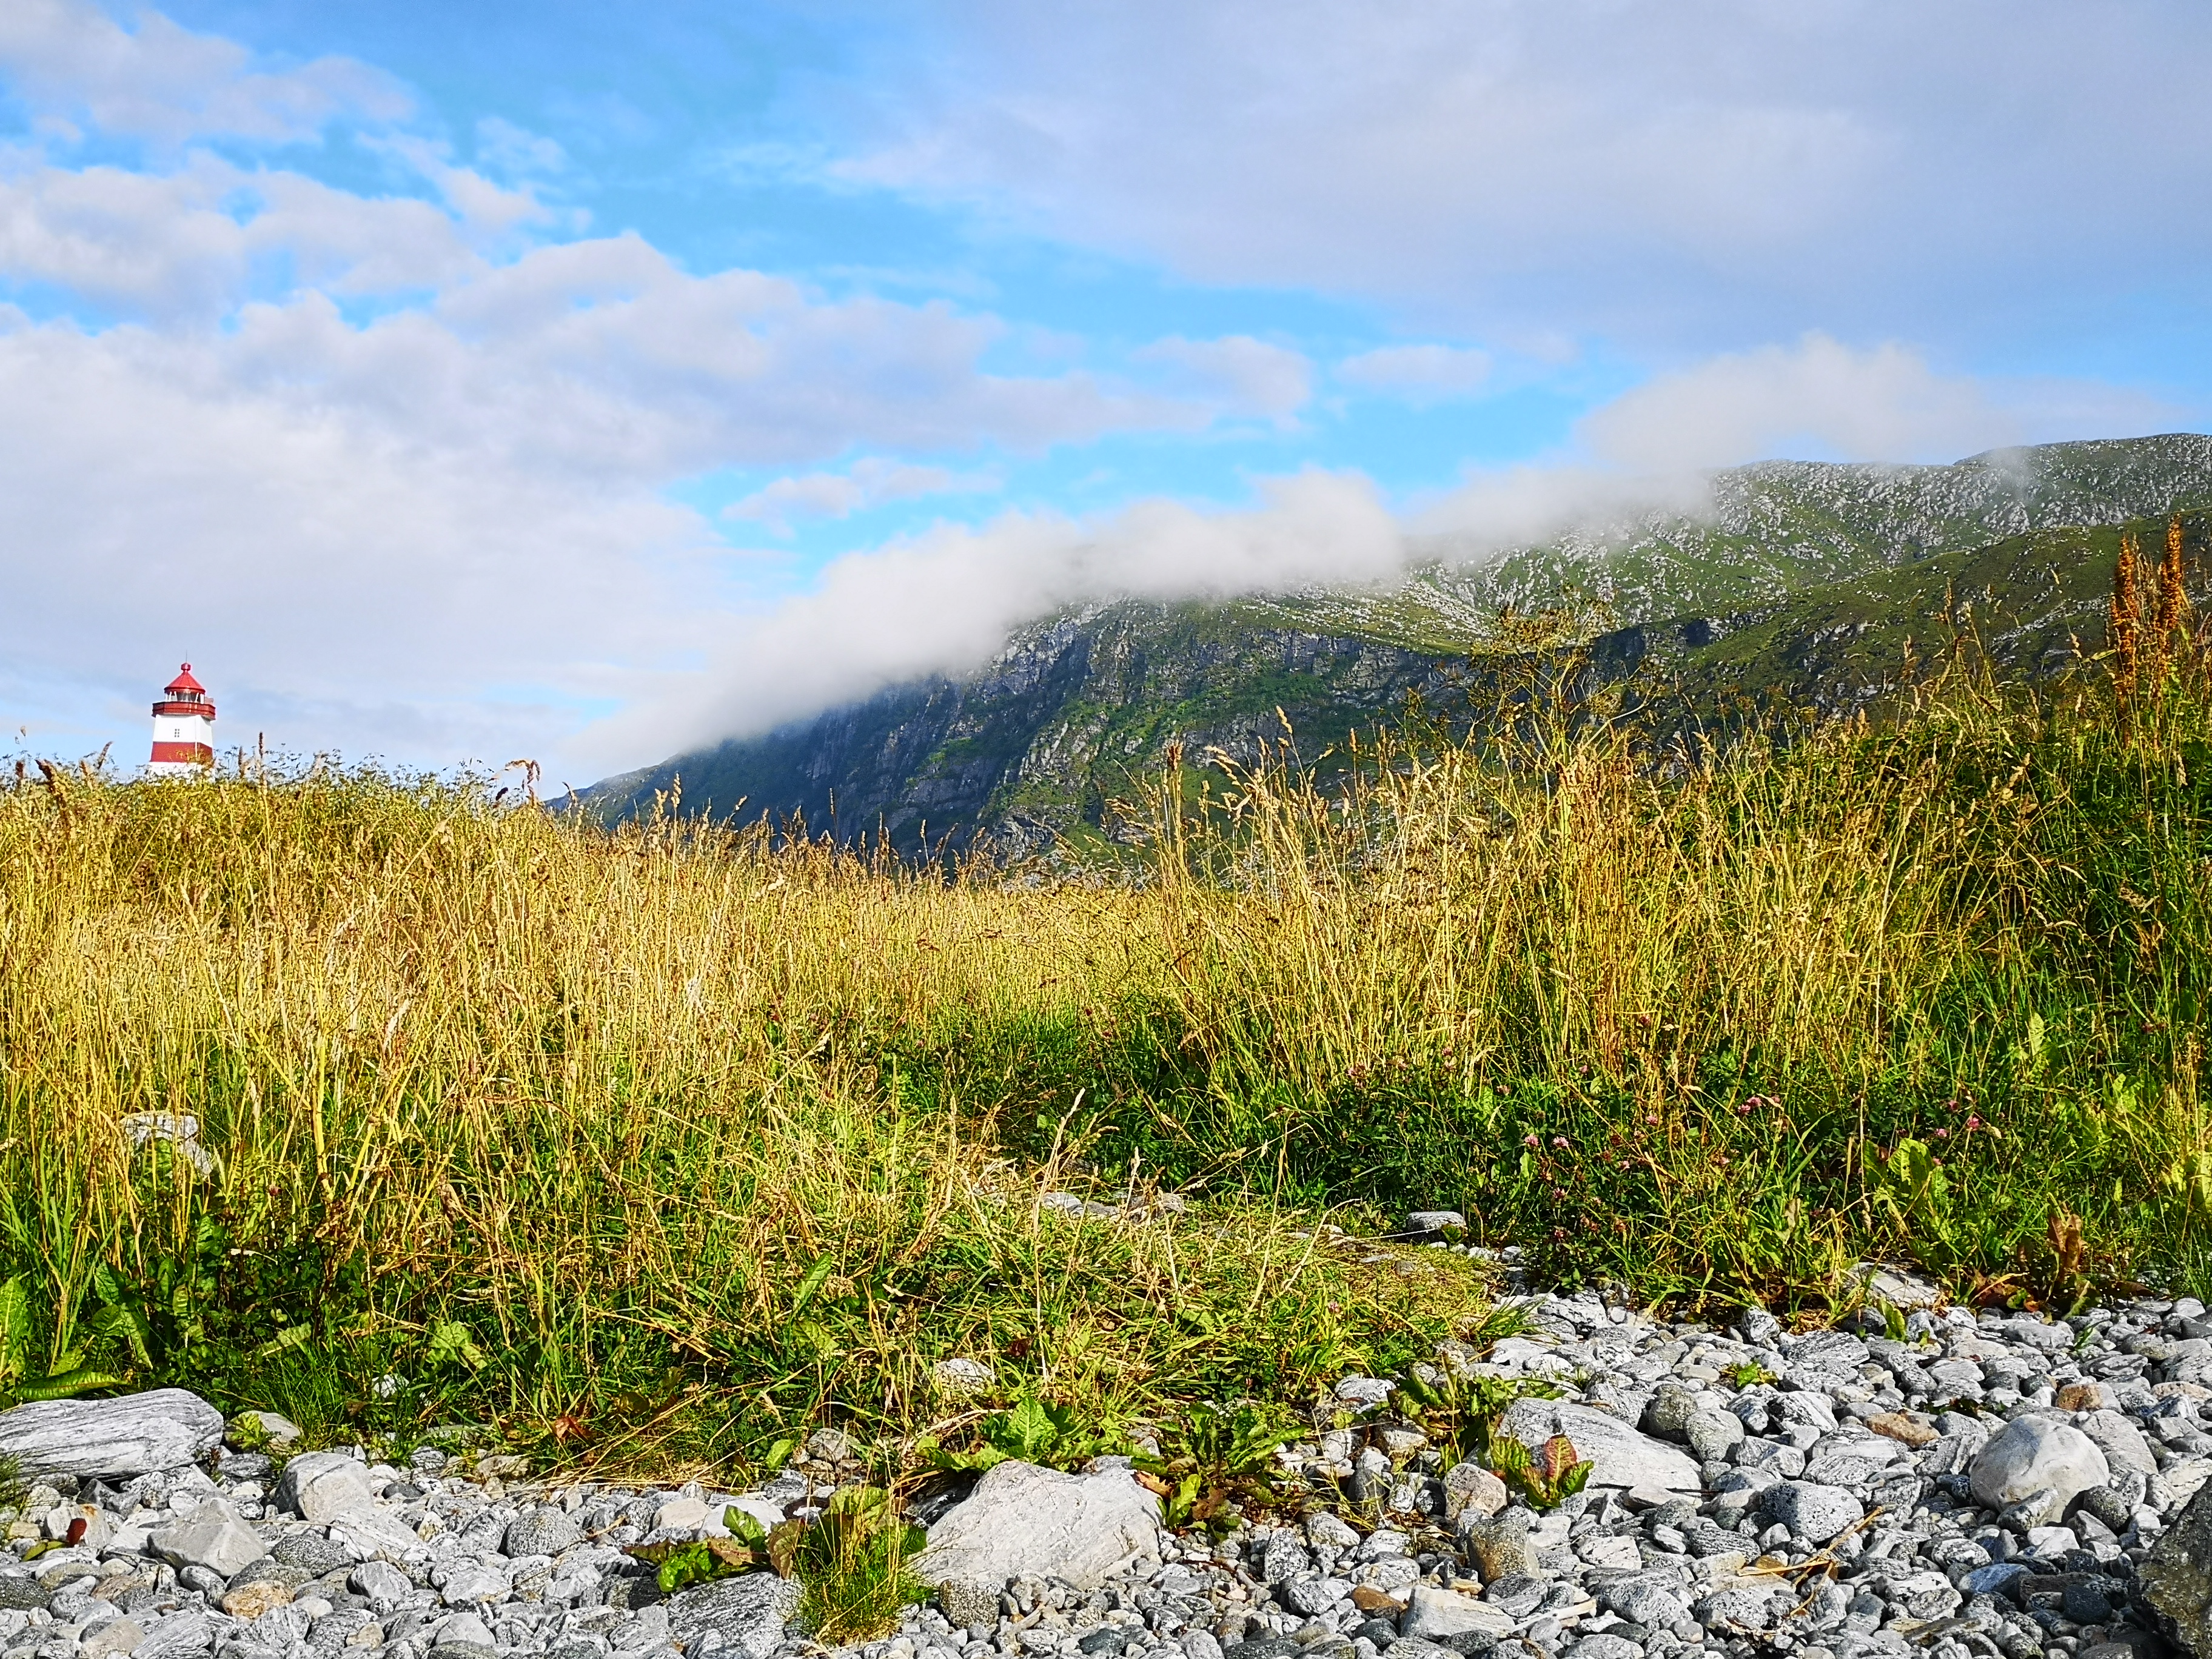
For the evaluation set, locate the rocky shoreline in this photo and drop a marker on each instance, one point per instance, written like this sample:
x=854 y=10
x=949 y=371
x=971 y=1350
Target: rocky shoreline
x=1939 y=1482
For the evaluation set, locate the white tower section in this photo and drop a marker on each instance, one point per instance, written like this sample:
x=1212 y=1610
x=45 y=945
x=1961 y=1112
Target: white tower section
x=184 y=729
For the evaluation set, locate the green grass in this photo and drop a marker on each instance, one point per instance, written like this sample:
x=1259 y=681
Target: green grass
x=658 y=1148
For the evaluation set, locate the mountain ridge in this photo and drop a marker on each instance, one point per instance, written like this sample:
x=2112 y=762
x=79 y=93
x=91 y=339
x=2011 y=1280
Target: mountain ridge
x=1792 y=586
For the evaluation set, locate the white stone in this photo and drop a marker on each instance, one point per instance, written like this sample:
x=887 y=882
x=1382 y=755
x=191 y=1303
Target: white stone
x=1604 y=1550
x=1432 y=1614
x=319 y=1486
x=211 y=1536
x=962 y=1376
x=378 y=1533
x=464 y=1627
x=681 y=1515
x=110 y=1440
x=384 y=1584
x=466 y=1583
x=1651 y=1470
x=99 y=1530
x=2033 y=1454
x=1902 y=1291
x=1023 y=1519
x=2180 y=1482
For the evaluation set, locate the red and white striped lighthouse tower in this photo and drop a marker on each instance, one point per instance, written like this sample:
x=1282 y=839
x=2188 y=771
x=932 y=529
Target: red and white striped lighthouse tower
x=184 y=729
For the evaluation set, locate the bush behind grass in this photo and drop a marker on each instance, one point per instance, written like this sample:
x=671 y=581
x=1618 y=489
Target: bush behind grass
x=661 y=1146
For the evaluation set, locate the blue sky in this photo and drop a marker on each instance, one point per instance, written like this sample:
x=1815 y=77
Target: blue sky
x=458 y=383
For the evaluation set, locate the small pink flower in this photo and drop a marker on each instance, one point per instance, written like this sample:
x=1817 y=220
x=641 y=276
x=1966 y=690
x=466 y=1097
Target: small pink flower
x=1943 y=1134
x=1560 y=1141
x=1530 y=1141
x=1973 y=1122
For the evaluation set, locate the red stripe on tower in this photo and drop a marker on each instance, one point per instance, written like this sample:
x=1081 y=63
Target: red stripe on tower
x=183 y=729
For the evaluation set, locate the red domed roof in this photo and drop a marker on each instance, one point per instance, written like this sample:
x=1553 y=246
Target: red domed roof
x=185 y=682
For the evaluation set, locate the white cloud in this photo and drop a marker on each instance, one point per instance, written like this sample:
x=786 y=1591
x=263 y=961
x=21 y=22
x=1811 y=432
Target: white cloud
x=506 y=148
x=164 y=82
x=943 y=602
x=1684 y=175
x=1653 y=448
x=1822 y=400
x=1240 y=374
x=870 y=482
x=189 y=242
x=1420 y=375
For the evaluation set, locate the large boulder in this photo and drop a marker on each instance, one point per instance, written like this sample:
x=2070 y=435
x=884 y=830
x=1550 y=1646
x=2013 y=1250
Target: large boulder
x=110 y=1439
x=1023 y=1519
x=2176 y=1579
x=1649 y=1470
x=2039 y=1463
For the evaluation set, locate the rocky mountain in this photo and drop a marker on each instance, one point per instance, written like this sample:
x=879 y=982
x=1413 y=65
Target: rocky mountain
x=1803 y=584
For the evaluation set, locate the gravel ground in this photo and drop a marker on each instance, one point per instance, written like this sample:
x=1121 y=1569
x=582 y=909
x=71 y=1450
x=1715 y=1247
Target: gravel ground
x=1988 y=1485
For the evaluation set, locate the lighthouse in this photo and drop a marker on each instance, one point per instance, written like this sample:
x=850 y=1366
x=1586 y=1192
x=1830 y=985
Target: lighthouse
x=184 y=729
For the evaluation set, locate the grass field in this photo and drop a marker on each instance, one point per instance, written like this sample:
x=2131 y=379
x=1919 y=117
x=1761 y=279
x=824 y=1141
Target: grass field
x=663 y=1146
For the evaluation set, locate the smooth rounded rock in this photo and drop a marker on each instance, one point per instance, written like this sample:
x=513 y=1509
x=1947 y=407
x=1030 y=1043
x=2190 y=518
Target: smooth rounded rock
x=2035 y=1462
x=1025 y=1519
x=320 y=1486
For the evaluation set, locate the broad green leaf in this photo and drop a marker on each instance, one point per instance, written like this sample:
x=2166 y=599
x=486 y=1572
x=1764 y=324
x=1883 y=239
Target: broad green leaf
x=817 y=1276
x=67 y=1383
x=296 y=1336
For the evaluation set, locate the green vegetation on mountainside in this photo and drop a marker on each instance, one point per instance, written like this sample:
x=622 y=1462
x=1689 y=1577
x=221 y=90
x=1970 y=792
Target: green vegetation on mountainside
x=1799 y=587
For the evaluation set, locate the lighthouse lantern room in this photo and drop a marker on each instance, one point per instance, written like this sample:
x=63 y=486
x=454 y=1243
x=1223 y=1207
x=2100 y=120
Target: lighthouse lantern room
x=184 y=729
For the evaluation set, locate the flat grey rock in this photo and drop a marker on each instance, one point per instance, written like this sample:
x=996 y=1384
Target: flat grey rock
x=1434 y=1615
x=110 y=1439
x=211 y=1536
x=320 y=1486
x=1023 y=1519
x=1649 y=1470
x=749 y=1611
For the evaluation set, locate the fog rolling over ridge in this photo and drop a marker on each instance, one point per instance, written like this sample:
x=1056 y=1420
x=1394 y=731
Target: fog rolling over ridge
x=1068 y=694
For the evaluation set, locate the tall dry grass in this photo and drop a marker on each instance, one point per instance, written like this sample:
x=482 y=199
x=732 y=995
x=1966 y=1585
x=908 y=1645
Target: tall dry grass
x=672 y=1138
x=608 y=1134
